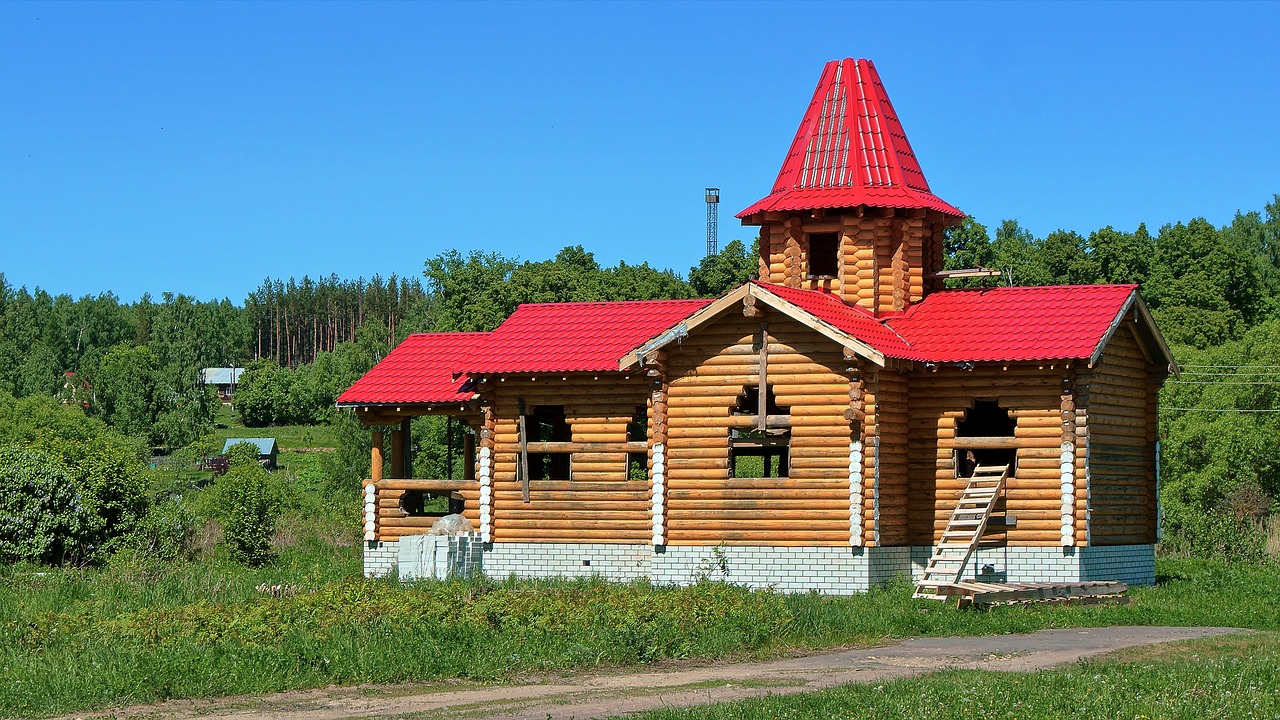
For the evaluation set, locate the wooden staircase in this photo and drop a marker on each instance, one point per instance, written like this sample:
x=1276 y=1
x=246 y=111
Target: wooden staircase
x=964 y=529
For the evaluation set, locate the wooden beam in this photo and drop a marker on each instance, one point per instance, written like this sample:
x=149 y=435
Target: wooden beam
x=599 y=447
x=397 y=452
x=746 y=421
x=986 y=443
x=524 y=453
x=437 y=486
x=375 y=458
x=406 y=448
x=469 y=456
x=964 y=273
x=762 y=404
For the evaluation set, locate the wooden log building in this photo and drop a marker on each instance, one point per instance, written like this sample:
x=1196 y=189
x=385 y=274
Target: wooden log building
x=820 y=428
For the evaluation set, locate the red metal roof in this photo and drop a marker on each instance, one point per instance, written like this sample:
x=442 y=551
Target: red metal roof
x=851 y=319
x=850 y=150
x=418 y=370
x=573 y=337
x=994 y=325
x=1012 y=323
x=1004 y=324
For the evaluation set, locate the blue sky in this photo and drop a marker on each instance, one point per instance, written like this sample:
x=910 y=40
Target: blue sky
x=200 y=147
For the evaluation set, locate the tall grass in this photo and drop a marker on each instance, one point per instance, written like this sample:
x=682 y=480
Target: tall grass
x=133 y=632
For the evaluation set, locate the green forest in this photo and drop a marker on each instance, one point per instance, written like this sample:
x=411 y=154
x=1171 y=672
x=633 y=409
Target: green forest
x=104 y=421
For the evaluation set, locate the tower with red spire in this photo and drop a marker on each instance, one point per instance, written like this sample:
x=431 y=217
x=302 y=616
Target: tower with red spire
x=851 y=211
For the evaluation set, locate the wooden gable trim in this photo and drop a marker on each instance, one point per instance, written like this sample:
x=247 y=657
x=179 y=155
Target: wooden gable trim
x=728 y=301
x=1148 y=334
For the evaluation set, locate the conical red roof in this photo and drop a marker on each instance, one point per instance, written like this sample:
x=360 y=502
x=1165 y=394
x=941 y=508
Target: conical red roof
x=850 y=150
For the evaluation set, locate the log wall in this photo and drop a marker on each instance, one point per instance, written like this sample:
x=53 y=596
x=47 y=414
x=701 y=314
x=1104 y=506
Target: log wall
x=598 y=503
x=1032 y=395
x=392 y=522
x=892 y=422
x=704 y=506
x=886 y=259
x=1122 y=395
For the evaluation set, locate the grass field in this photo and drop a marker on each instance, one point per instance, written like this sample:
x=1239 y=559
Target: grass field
x=288 y=437
x=76 y=640
x=1226 y=677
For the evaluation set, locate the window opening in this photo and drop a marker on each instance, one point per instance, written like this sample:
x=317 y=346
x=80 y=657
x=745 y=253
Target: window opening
x=987 y=423
x=756 y=453
x=824 y=254
x=546 y=424
x=638 y=431
x=420 y=503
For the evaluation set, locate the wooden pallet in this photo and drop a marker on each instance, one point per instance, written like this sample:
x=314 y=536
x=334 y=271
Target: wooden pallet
x=964 y=529
x=981 y=593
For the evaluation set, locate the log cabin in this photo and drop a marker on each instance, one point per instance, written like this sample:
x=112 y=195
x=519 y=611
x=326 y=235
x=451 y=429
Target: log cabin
x=839 y=421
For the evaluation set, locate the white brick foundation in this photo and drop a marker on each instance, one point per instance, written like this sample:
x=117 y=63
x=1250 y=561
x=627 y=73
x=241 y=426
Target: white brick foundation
x=830 y=570
x=381 y=558
x=547 y=560
x=1130 y=564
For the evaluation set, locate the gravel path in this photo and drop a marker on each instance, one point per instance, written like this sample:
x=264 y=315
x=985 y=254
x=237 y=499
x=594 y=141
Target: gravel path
x=598 y=695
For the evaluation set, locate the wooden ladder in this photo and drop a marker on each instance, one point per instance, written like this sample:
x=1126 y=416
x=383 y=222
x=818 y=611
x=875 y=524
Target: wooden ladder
x=964 y=529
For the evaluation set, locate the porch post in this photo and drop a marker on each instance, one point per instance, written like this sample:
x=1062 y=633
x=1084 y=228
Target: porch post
x=406 y=448
x=397 y=452
x=375 y=459
x=468 y=456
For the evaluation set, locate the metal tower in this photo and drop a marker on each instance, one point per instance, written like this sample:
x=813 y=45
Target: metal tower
x=713 y=202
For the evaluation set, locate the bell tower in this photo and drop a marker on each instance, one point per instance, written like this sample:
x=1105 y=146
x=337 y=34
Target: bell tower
x=851 y=212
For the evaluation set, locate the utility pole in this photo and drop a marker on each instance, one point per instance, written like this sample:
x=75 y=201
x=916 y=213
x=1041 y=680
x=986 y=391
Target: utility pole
x=713 y=202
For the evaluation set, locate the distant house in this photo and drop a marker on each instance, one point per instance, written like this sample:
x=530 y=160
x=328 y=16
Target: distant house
x=267 y=449
x=224 y=379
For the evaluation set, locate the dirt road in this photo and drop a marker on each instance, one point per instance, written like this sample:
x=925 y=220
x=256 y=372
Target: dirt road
x=597 y=695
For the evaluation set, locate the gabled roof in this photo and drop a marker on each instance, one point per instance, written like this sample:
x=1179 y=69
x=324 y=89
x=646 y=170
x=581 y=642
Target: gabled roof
x=266 y=446
x=572 y=337
x=850 y=150
x=221 y=376
x=1064 y=322
x=1015 y=323
x=419 y=370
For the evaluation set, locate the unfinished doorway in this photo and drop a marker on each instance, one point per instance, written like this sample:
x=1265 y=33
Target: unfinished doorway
x=985 y=436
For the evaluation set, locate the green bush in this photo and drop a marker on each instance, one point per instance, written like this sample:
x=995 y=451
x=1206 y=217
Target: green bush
x=1190 y=532
x=167 y=533
x=42 y=515
x=248 y=501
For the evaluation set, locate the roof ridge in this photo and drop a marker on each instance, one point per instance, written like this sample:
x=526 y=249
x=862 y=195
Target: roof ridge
x=607 y=302
x=850 y=150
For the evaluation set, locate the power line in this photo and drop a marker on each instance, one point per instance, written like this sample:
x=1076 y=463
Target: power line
x=1217 y=410
x=1202 y=373
x=1219 y=382
x=1234 y=367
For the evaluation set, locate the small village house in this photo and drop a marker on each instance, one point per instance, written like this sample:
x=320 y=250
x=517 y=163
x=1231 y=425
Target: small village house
x=268 y=450
x=841 y=420
x=224 y=380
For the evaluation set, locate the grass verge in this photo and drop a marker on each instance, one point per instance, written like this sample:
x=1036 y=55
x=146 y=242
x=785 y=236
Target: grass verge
x=136 y=633
x=1227 y=677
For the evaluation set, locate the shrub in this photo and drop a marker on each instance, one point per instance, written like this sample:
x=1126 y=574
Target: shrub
x=167 y=533
x=42 y=515
x=248 y=501
x=1190 y=532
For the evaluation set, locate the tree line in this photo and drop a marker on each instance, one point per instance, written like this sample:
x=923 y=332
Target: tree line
x=1214 y=291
